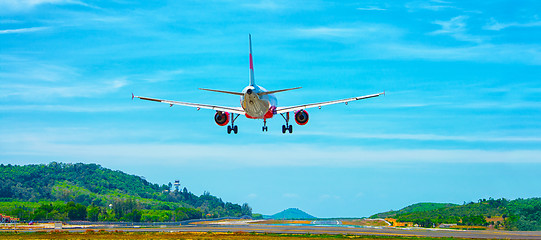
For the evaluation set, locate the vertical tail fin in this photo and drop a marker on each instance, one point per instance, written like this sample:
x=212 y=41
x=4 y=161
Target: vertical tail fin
x=252 y=80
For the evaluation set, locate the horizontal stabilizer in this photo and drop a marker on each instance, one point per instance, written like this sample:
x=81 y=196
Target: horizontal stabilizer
x=276 y=91
x=221 y=91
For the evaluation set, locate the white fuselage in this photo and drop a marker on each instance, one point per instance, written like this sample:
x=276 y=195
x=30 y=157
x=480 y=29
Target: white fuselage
x=255 y=105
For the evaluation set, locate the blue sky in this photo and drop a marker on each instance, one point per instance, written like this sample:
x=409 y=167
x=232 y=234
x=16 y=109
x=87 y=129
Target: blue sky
x=461 y=119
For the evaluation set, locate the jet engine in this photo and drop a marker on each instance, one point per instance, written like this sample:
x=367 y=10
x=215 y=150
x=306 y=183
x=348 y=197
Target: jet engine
x=301 y=117
x=221 y=118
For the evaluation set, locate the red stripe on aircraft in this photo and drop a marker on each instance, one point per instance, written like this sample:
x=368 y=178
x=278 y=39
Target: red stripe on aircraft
x=251 y=62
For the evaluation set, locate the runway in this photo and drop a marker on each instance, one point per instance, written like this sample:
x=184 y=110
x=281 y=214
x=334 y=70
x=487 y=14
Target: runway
x=291 y=229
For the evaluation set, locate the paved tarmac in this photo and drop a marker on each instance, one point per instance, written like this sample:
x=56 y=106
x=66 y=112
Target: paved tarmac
x=291 y=229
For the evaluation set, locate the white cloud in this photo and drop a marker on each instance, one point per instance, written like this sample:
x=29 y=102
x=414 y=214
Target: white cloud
x=164 y=75
x=117 y=83
x=276 y=5
x=497 y=26
x=329 y=197
x=456 y=24
x=456 y=28
x=19 y=5
x=23 y=30
x=290 y=195
x=9 y=21
x=371 y=8
x=326 y=32
x=32 y=79
x=431 y=5
x=70 y=108
x=382 y=41
x=350 y=32
x=228 y=155
x=40 y=91
x=21 y=70
x=503 y=53
x=429 y=137
x=264 y=5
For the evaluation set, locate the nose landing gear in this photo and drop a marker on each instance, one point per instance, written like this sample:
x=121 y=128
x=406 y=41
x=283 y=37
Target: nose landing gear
x=265 y=128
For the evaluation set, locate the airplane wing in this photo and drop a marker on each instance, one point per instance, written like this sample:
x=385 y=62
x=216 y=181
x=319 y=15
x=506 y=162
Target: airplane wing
x=305 y=106
x=236 y=110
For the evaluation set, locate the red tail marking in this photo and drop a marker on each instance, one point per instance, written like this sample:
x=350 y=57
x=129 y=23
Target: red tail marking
x=251 y=62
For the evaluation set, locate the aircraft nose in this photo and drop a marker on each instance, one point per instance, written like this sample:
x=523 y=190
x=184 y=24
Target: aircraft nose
x=249 y=91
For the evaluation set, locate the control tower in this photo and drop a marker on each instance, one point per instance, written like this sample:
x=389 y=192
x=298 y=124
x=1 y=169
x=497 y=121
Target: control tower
x=177 y=185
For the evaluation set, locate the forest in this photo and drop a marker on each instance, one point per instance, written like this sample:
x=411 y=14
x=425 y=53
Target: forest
x=518 y=214
x=65 y=191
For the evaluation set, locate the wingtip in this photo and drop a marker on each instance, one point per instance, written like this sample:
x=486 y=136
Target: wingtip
x=132 y=96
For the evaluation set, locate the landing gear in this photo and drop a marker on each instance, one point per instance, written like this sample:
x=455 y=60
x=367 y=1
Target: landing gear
x=286 y=127
x=233 y=127
x=265 y=128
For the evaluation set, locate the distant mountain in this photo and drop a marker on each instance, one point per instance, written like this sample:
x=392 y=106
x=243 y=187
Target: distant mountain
x=291 y=213
x=418 y=207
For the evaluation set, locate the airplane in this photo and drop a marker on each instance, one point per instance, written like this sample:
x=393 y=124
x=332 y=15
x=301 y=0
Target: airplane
x=257 y=103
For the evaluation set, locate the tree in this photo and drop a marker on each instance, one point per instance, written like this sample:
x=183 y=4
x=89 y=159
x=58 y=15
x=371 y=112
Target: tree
x=246 y=210
x=93 y=212
x=76 y=211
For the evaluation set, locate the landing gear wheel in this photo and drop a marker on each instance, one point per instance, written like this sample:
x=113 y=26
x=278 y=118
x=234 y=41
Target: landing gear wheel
x=265 y=129
x=286 y=127
x=233 y=127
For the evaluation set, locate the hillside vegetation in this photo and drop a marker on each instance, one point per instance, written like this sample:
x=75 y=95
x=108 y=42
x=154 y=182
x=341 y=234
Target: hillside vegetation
x=518 y=214
x=418 y=207
x=59 y=191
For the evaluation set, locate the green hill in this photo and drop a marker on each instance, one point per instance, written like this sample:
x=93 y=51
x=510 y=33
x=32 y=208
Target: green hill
x=418 y=207
x=518 y=214
x=293 y=214
x=104 y=193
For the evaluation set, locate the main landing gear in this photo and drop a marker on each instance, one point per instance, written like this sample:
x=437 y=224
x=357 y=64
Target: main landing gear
x=233 y=127
x=265 y=128
x=286 y=127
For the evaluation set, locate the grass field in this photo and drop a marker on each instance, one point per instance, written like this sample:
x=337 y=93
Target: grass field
x=90 y=234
